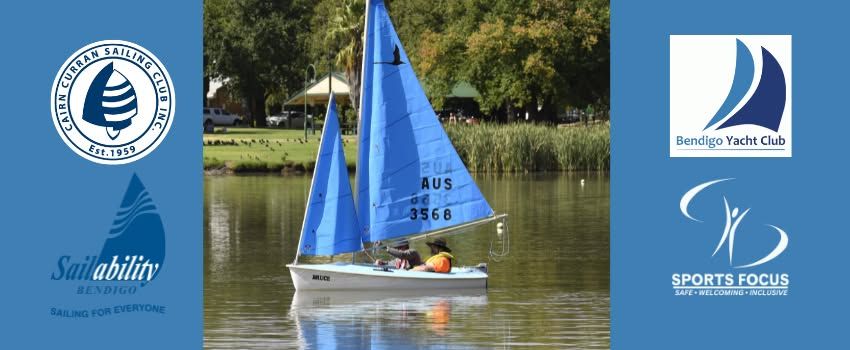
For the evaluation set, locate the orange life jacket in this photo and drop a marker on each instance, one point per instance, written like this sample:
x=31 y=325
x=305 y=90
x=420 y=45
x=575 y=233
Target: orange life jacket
x=442 y=262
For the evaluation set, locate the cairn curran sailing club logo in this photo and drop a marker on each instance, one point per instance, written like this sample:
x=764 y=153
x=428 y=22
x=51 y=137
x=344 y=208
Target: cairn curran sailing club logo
x=131 y=258
x=730 y=96
x=112 y=102
x=727 y=283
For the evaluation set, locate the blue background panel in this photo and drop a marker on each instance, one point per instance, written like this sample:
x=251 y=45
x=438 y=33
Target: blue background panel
x=805 y=194
x=56 y=203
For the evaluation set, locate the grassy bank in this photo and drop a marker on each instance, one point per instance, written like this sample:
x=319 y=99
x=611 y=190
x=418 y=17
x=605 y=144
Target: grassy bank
x=266 y=150
x=483 y=148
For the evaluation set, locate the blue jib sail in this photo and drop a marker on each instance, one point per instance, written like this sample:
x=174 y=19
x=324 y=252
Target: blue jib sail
x=330 y=223
x=409 y=176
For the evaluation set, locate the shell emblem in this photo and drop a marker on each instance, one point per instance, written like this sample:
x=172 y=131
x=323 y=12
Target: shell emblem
x=110 y=101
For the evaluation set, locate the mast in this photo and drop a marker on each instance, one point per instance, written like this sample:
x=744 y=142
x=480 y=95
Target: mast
x=360 y=111
x=360 y=126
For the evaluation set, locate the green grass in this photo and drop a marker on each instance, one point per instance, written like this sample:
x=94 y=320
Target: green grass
x=267 y=150
x=483 y=148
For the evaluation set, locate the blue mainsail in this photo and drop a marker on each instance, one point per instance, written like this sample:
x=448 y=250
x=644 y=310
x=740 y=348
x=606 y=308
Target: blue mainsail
x=330 y=223
x=767 y=104
x=409 y=176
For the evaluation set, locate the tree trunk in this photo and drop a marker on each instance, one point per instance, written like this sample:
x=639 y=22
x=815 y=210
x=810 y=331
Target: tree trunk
x=353 y=77
x=258 y=107
x=206 y=89
x=509 y=106
x=206 y=81
x=353 y=74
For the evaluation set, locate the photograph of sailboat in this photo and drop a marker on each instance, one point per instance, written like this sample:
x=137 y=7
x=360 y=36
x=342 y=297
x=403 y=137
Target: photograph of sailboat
x=383 y=207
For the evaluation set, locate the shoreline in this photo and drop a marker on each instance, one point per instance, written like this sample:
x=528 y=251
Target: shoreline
x=484 y=148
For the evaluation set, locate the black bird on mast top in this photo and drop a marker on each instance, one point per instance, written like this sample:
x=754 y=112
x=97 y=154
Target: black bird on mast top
x=396 y=58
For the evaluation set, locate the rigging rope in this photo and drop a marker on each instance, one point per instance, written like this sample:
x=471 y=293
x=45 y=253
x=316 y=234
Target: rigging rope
x=500 y=245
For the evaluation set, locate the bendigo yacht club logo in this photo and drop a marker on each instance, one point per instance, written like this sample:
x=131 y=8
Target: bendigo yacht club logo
x=728 y=283
x=730 y=96
x=112 y=102
x=131 y=258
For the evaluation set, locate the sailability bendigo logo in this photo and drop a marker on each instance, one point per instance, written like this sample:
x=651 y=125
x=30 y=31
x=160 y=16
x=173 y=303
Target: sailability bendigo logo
x=112 y=102
x=730 y=96
x=131 y=258
x=733 y=283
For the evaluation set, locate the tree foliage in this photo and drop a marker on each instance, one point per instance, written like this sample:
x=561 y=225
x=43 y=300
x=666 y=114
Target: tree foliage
x=257 y=46
x=518 y=54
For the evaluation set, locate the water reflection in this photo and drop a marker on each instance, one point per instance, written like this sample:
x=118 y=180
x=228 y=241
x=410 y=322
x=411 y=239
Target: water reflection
x=379 y=320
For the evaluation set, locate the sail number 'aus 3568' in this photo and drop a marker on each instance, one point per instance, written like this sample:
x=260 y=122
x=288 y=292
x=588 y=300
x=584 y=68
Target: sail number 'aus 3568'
x=427 y=213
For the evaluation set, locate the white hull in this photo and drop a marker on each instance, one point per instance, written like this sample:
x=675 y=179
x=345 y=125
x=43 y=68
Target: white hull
x=366 y=277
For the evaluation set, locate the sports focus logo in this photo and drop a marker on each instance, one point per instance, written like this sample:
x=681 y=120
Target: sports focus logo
x=733 y=219
x=756 y=243
x=112 y=102
x=730 y=96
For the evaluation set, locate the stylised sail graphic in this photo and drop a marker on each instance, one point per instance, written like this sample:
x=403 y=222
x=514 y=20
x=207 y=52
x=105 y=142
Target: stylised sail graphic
x=766 y=106
x=744 y=73
x=137 y=229
x=110 y=101
x=330 y=222
x=409 y=177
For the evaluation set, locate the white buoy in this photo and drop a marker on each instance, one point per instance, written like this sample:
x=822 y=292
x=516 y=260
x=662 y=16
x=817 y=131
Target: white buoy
x=582 y=182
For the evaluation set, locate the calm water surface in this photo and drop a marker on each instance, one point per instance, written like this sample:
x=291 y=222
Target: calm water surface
x=552 y=290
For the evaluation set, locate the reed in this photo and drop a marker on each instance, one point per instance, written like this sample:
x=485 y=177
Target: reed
x=532 y=147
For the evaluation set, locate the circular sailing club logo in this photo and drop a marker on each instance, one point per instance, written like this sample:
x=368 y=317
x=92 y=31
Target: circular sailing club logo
x=112 y=102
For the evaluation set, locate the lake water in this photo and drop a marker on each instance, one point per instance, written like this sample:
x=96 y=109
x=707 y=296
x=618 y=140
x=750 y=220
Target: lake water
x=551 y=291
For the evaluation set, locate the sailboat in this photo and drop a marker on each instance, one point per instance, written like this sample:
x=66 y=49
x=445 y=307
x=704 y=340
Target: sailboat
x=410 y=182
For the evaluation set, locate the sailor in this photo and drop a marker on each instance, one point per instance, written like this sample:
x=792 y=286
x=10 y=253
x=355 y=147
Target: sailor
x=440 y=260
x=405 y=258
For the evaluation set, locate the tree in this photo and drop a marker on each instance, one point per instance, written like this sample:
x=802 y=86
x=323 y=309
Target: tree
x=337 y=27
x=531 y=55
x=257 y=45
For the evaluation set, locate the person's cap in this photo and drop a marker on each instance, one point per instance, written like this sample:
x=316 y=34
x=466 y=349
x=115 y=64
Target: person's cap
x=399 y=244
x=439 y=242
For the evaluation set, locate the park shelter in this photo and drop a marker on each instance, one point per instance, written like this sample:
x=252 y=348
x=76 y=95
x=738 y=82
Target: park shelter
x=463 y=90
x=317 y=92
